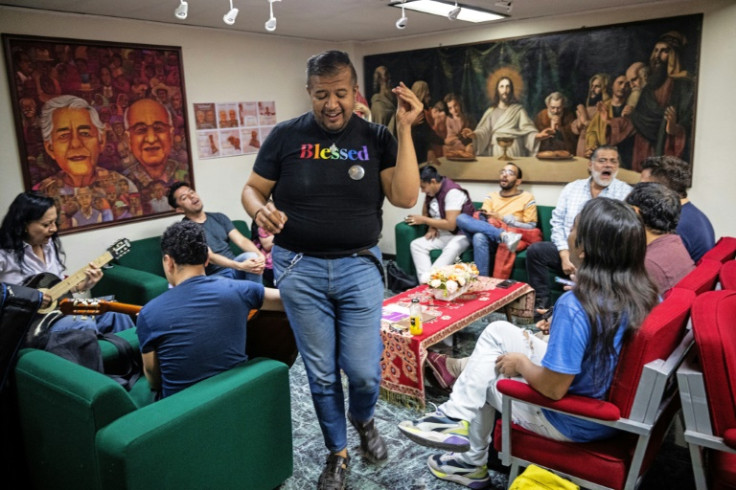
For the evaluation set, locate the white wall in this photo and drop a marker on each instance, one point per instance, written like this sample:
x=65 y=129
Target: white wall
x=223 y=66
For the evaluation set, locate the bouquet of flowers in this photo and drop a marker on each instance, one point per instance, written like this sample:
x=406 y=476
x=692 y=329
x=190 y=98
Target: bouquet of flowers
x=449 y=282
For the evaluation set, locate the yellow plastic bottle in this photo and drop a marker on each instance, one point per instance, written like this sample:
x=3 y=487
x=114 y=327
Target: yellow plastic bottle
x=415 y=317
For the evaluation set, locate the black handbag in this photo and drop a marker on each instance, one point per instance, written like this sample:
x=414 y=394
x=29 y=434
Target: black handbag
x=399 y=281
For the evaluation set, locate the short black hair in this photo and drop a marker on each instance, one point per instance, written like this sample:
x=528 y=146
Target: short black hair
x=185 y=242
x=659 y=206
x=428 y=173
x=172 y=190
x=329 y=63
x=519 y=173
x=671 y=171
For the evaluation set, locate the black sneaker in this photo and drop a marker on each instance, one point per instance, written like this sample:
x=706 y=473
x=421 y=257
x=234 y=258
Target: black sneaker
x=335 y=473
x=372 y=445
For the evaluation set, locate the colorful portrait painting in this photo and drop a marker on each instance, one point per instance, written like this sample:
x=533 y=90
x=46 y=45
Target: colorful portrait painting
x=102 y=127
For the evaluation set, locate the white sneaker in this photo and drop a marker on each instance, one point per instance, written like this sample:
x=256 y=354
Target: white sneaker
x=511 y=240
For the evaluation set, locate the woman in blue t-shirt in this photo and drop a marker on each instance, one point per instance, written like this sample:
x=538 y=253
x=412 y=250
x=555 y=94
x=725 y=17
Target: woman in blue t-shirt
x=610 y=300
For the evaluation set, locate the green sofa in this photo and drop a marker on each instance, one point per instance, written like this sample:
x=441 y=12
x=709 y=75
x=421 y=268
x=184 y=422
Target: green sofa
x=82 y=430
x=405 y=234
x=138 y=276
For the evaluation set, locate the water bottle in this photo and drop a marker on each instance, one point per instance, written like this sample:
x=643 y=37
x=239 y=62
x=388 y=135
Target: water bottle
x=415 y=317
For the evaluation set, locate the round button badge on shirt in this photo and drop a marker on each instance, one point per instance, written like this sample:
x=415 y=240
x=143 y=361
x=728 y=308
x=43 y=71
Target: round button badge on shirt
x=356 y=172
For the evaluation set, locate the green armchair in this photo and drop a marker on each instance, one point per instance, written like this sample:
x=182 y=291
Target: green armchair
x=405 y=234
x=83 y=430
x=138 y=276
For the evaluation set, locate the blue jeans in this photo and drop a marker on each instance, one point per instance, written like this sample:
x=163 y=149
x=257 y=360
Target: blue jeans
x=238 y=274
x=334 y=307
x=109 y=322
x=485 y=238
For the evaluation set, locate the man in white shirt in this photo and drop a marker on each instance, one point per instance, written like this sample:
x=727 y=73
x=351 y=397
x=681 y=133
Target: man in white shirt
x=555 y=255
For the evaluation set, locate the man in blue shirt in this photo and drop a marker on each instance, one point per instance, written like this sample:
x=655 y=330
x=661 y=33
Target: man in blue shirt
x=197 y=329
x=694 y=226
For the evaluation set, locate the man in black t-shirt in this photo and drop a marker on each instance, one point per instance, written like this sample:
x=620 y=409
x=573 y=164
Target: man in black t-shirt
x=327 y=173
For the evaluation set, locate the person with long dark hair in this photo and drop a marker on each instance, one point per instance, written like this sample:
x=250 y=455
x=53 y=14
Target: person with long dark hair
x=30 y=245
x=611 y=298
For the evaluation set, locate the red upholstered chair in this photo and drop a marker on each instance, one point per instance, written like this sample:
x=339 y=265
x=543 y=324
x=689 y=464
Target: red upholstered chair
x=703 y=278
x=723 y=251
x=708 y=391
x=641 y=403
x=727 y=275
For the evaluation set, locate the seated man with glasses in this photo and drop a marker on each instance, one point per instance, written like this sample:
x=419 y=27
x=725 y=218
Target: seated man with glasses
x=555 y=255
x=507 y=217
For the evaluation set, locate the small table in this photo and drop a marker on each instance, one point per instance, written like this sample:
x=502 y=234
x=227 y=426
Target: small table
x=402 y=373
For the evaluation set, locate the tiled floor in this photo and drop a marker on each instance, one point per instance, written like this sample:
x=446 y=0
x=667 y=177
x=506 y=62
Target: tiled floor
x=406 y=468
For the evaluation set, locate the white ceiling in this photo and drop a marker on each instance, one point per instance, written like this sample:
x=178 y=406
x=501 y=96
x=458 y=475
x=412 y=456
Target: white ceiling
x=325 y=20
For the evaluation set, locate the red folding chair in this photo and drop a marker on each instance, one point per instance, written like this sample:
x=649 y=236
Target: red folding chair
x=723 y=251
x=727 y=275
x=703 y=278
x=707 y=384
x=641 y=404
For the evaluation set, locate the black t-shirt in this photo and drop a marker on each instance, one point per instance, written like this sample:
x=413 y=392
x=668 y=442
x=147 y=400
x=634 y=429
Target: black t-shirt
x=330 y=214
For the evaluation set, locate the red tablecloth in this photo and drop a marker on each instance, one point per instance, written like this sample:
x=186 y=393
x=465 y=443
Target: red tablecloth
x=403 y=356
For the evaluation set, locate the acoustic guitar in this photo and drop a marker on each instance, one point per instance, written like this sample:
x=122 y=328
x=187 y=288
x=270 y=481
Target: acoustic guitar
x=58 y=288
x=268 y=333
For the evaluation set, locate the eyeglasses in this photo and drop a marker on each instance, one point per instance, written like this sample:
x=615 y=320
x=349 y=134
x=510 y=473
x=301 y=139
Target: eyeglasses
x=158 y=128
x=505 y=171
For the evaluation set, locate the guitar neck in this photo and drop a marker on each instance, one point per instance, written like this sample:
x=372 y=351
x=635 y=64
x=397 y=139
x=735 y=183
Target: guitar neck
x=67 y=284
x=96 y=307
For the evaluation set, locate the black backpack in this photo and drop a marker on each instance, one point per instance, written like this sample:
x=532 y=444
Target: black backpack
x=81 y=347
x=397 y=280
x=18 y=306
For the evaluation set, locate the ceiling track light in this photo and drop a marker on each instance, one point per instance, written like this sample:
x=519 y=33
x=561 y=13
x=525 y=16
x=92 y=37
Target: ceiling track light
x=182 y=10
x=450 y=9
x=229 y=18
x=270 y=24
x=452 y=14
x=401 y=23
x=505 y=5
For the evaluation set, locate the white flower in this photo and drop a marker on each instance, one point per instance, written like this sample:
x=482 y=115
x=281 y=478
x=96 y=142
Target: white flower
x=451 y=286
x=435 y=283
x=461 y=281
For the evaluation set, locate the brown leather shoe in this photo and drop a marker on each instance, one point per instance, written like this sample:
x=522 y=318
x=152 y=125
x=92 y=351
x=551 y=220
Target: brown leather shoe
x=438 y=365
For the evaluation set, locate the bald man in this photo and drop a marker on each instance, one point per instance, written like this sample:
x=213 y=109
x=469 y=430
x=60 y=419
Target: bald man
x=149 y=130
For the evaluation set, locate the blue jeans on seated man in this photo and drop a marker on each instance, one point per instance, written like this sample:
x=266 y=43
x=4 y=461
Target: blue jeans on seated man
x=109 y=322
x=238 y=274
x=485 y=238
x=334 y=307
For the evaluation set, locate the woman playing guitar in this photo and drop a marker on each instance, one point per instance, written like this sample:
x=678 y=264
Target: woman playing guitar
x=30 y=249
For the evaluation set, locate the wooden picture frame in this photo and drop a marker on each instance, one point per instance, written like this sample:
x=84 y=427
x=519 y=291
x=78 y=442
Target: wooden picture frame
x=102 y=127
x=568 y=63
